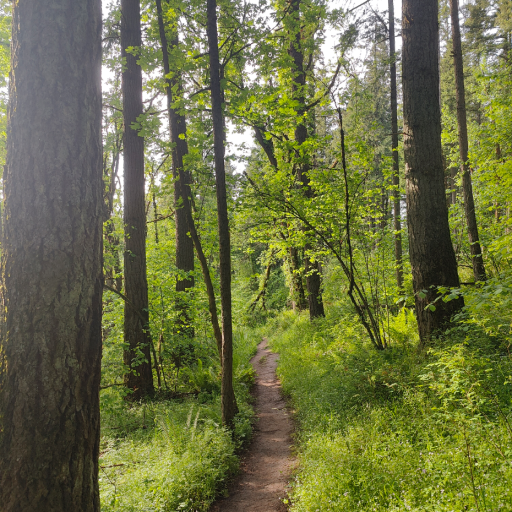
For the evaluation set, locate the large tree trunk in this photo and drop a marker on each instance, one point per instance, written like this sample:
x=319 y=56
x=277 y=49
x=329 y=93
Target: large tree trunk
x=430 y=247
x=137 y=336
x=467 y=187
x=313 y=278
x=228 y=401
x=52 y=261
x=394 y=146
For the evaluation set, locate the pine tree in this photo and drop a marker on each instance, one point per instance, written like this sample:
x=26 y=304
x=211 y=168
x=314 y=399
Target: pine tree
x=431 y=252
x=50 y=351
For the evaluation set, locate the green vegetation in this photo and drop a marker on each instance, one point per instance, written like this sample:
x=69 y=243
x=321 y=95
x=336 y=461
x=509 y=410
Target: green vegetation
x=400 y=430
x=173 y=453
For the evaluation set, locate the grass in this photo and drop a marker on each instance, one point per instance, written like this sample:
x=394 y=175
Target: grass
x=394 y=430
x=174 y=455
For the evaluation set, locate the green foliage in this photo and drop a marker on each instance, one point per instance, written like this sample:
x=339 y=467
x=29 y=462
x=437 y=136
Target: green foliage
x=396 y=430
x=173 y=455
x=176 y=463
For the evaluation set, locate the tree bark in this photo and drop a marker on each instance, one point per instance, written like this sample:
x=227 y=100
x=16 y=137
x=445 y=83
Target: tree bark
x=50 y=353
x=467 y=187
x=430 y=247
x=394 y=146
x=137 y=336
x=178 y=130
x=228 y=402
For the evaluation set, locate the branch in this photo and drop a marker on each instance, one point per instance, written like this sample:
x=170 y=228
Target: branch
x=357 y=6
x=161 y=218
x=328 y=90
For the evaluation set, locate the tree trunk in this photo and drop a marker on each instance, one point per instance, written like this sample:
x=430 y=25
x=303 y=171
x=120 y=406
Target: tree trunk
x=467 y=187
x=298 y=295
x=52 y=261
x=228 y=401
x=178 y=129
x=430 y=247
x=314 y=285
x=313 y=279
x=394 y=145
x=137 y=336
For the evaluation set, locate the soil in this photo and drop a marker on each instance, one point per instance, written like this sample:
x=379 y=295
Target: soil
x=266 y=467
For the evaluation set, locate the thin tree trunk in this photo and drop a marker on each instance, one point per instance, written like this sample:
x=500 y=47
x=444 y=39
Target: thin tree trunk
x=187 y=208
x=467 y=187
x=52 y=261
x=394 y=146
x=228 y=401
x=453 y=184
x=431 y=252
x=137 y=336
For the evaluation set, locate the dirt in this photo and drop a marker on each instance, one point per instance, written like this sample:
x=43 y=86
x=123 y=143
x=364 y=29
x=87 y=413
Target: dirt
x=266 y=467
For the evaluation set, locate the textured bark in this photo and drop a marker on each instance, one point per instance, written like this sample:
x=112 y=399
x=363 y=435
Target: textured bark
x=467 y=187
x=431 y=252
x=136 y=312
x=313 y=278
x=228 y=402
x=397 y=224
x=50 y=353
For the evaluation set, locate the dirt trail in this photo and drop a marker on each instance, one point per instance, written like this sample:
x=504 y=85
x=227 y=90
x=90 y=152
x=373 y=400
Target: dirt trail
x=267 y=465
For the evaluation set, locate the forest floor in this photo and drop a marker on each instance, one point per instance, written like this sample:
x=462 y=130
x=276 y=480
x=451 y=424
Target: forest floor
x=267 y=465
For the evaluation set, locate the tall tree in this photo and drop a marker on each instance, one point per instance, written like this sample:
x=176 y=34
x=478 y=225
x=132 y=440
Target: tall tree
x=296 y=52
x=50 y=353
x=228 y=396
x=178 y=130
x=137 y=359
x=394 y=146
x=467 y=187
x=430 y=247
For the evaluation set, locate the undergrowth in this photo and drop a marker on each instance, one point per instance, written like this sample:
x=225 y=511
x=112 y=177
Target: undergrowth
x=174 y=454
x=396 y=430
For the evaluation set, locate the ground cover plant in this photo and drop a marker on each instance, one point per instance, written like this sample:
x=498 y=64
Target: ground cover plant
x=398 y=429
x=171 y=452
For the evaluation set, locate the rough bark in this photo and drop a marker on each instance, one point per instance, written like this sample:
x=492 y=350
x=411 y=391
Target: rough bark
x=178 y=130
x=467 y=187
x=431 y=252
x=228 y=402
x=50 y=353
x=397 y=224
x=137 y=336
x=296 y=52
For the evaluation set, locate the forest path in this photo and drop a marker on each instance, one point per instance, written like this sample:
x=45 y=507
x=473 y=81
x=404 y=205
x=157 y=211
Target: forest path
x=267 y=465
